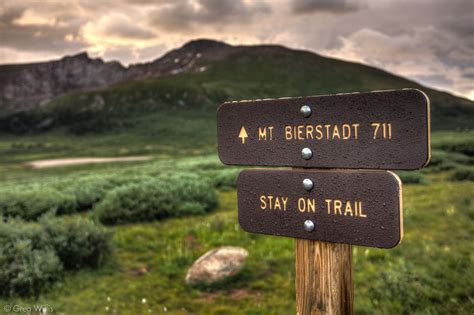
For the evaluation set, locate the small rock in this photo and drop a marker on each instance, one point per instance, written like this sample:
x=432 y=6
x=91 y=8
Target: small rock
x=141 y=271
x=216 y=265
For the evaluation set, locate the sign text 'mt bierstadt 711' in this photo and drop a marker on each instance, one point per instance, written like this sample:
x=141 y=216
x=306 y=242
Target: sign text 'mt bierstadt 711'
x=374 y=130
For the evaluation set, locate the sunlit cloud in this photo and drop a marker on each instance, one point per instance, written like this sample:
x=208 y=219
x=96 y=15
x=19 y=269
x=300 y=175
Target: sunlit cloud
x=117 y=30
x=430 y=42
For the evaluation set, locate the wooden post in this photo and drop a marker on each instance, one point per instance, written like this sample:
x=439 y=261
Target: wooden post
x=323 y=278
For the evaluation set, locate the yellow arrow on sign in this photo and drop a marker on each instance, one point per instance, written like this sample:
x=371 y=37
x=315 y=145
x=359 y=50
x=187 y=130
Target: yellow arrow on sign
x=243 y=134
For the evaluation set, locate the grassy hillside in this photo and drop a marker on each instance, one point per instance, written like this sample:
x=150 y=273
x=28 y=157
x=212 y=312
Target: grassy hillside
x=152 y=107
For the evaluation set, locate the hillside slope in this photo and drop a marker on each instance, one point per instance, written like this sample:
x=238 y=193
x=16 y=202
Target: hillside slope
x=202 y=74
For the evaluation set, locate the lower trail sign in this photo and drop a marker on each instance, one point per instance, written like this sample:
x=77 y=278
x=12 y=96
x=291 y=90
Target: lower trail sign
x=326 y=211
x=351 y=207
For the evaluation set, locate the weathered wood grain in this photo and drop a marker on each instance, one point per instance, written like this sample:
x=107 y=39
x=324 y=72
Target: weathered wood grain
x=323 y=278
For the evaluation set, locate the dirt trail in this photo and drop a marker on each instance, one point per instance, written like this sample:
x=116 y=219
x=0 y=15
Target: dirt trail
x=77 y=161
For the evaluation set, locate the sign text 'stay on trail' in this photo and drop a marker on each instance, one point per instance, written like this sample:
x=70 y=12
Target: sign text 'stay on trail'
x=374 y=130
x=352 y=207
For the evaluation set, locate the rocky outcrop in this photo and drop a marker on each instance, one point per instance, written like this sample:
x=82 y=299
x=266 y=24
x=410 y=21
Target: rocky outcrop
x=28 y=86
x=23 y=87
x=216 y=265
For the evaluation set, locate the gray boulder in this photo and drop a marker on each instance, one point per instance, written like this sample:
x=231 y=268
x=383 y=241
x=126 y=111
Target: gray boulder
x=216 y=265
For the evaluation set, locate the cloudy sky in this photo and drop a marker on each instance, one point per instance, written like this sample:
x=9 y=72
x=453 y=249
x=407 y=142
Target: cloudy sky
x=430 y=41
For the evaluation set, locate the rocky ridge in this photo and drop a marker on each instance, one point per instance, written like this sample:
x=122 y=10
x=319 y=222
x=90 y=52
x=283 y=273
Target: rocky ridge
x=27 y=86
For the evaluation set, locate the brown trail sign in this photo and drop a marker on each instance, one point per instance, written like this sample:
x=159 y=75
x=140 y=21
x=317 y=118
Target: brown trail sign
x=375 y=130
x=327 y=211
x=352 y=207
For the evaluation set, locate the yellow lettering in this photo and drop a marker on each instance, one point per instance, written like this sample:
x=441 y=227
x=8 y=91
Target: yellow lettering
x=300 y=132
x=309 y=132
x=262 y=133
x=376 y=129
x=348 y=208
x=361 y=214
x=271 y=132
x=319 y=132
x=301 y=204
x=277 y=204
x=308 y=205
x=285 y=200
x=355 y=130
x=346 y=131
x=337 y=206
x=288 y=134
x=335 y=133
x=328 y=205
x=263 y=203
x=311 y=205
x=270 y=199
x=327 y=131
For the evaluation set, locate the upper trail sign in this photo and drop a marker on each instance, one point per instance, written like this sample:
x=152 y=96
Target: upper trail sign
x=374 y=130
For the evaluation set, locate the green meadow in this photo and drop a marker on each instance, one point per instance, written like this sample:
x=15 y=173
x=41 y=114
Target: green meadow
x=118 y=238
x=430 y=272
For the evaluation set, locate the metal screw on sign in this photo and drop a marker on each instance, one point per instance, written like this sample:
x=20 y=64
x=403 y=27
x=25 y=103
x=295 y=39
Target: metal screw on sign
x=308 y=184
x=306 y=153
x=309 y=226
x=305 y=110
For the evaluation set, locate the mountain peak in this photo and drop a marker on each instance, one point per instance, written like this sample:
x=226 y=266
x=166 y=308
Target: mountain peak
x=80 y=56
x=205 y=43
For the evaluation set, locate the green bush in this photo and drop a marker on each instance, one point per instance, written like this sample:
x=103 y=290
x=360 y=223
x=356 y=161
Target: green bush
x=78 y=242
x=223 y=178
x=28 y=263
x=443 y=160
x=90 y=190
x=169 y=195
x=87 y=191
x=29 y=202
x=461 y=143
x=64 y=196
x=34 y=254
x=464 y=173
x=412 y=177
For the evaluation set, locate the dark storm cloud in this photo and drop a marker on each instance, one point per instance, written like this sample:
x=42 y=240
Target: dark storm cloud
x=331 y=6
x=182 y=15
x=8 y=15
x=31 y=37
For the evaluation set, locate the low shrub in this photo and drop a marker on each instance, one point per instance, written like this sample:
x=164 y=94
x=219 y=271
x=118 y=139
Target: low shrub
x=461 y=143
x=89 y=190
x=412 y=177
x=223 y=178
x=78 y=242
x=169 y=195
x=464 y=173
x=29 y=202
x=443 y=160
x=33 y=255
x=28 y=263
